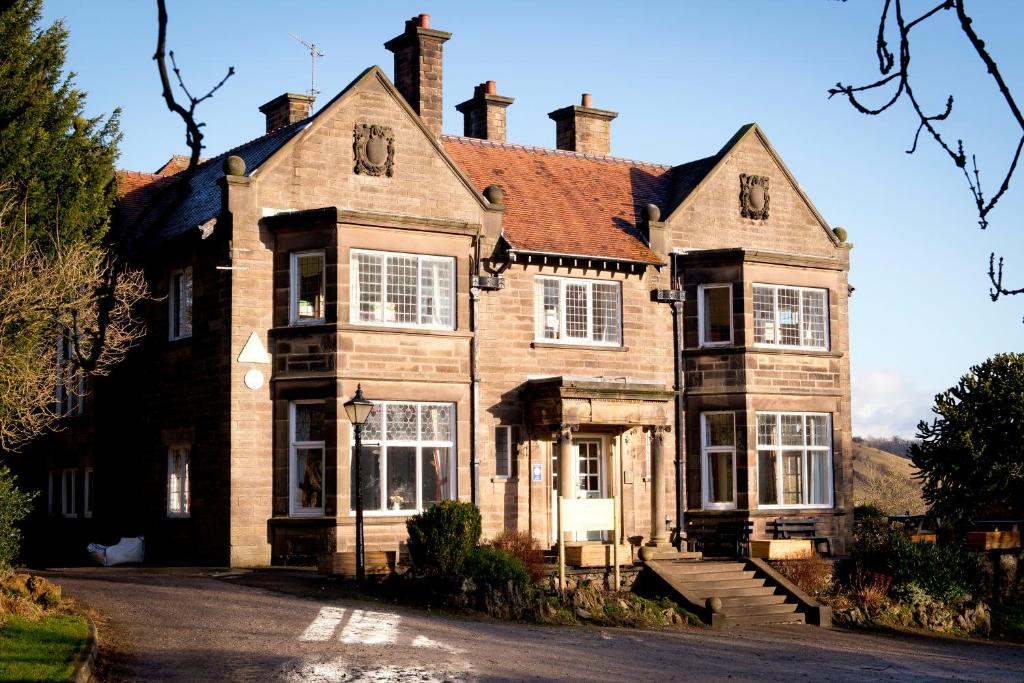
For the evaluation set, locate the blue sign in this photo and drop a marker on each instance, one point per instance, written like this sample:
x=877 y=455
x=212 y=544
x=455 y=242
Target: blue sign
x=537 y=472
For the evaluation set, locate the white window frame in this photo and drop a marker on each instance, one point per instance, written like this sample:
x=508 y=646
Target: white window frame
x=421 y=259
x=805 y=470
x=775 y=317
x=385 y=444
x=293 y=287
x=294 y=509
x=504 y=434
x=178 y=304
x=87 y=500
x=701 y=311
x=563 y=338
x=68 y=403
x=179 y=502
x=705 y=462
x=64 y=511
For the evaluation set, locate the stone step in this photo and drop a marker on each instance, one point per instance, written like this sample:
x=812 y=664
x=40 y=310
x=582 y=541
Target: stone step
x=744 y=600
x=750 y=610
x=715 y=585
x=757 y=619
x=704 y=567
x=723 y=593
x=718 y=576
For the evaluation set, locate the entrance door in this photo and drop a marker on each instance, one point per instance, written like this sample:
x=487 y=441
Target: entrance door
x=590 y=477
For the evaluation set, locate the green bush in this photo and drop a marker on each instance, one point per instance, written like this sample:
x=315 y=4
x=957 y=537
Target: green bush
x=496 y=567
x=14 y=506
x=946 y=572
x=443 y=536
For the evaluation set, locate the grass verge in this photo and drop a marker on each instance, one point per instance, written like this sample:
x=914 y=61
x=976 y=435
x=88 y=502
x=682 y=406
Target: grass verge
x=44 y=650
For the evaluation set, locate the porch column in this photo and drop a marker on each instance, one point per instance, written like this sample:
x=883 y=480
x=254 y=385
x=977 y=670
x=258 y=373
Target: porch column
x=659 y=537
x=565 y=478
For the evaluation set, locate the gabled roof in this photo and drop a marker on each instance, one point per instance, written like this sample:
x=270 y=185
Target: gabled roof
x=559 y=202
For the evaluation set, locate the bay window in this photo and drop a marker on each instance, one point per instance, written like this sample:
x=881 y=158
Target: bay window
x=715 y=314
x=793 y=317
x=718 y=460
x=407 y=461
x=575 y=311
x=306 y=458
x=308 y=287
x=402 y=290
x=794 y=460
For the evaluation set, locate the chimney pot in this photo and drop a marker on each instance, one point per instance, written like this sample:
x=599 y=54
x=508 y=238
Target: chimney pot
x=425 y=21
x=492 y=88
x=588 y=100
x=286 y=109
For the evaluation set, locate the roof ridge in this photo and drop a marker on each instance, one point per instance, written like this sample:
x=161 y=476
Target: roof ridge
x=554 y=152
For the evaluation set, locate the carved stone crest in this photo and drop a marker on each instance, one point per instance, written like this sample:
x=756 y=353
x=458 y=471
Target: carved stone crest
x=373 y=147
x=754 y=196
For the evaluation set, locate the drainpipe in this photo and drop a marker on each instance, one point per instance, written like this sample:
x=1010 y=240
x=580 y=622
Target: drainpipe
x=474 y=376
x=677 y=329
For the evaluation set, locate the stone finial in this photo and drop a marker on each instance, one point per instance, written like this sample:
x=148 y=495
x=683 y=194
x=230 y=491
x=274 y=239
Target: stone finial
x=652 y=214
x=234 y=165
x=714 y=604
x=840 y=234
x=494 y=194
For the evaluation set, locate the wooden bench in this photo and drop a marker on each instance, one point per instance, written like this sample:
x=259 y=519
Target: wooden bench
x=805 y=528
x=721 y=537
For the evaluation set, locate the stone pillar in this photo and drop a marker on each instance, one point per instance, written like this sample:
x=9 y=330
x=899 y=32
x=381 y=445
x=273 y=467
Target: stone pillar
x=659 y=537
x=566 y=489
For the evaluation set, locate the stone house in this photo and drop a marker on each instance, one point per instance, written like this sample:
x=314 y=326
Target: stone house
x=675 y=336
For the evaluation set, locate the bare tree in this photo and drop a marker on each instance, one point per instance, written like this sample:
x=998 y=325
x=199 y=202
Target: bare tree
x=896 y=83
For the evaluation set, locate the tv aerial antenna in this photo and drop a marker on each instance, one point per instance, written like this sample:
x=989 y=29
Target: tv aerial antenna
x=314 y=54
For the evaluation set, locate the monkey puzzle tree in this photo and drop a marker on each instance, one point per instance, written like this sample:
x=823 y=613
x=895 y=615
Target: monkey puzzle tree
x=971 y=457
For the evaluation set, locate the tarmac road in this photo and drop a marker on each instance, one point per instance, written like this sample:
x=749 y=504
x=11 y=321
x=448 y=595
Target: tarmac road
x=283 y=625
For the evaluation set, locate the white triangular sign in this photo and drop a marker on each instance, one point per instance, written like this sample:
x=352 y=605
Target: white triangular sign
x=253 y=351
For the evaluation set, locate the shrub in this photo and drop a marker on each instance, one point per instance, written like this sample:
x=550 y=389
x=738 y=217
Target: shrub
x=522 y=545
x=947 y=572
x=813 y=575
x=443 y=536
x=495 y=567
x=871 y=591
x=14 y=506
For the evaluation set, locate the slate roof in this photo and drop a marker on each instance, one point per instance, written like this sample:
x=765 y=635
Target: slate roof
x=560 y=202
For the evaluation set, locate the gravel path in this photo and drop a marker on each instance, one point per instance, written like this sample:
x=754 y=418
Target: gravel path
x=203 y=625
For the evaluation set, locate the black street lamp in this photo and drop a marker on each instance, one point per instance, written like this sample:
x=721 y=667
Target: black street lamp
x=358 y=410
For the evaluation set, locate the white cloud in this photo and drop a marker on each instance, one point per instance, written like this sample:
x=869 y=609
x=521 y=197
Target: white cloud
x=886 y=404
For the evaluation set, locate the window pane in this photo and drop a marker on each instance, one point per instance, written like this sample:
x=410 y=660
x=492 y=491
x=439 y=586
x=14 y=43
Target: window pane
x=310 y=280
x=789 y=316
x=764 y=315
x=436 y=292
x=719 y=429
x=606 y=312
x=186 y=303
x=717 y=325
x=369 y=463
x=818 y=477
x=401 y=422
x=401 y=468
x=720 y=473
x=814 y=318
x=766 y=489
x=401 y=289
x=369 y=278
x=792 y=477
x=309 y=422
x=792 y=430
x=766 y=432
x=437 y=422
x=309 y=478
x=551 y=308
x=501 y=452
x=437 y=484
x=372 y=427
x=576 y=311
x=817 y=430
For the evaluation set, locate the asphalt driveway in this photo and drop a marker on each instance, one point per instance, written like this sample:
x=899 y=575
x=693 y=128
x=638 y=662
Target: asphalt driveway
x=204 y=625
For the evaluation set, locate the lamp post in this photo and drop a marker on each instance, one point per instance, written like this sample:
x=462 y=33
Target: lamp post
x=358 y=410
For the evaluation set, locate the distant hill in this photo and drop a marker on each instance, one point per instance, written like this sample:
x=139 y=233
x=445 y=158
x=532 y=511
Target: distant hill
x=885 y=480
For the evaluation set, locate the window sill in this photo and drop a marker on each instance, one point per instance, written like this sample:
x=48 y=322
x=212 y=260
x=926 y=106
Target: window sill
x=784 y=350
x=320 y=328
x=576 y=347
x=504 y=480
x=785 y=508
x=176 y=340
x=171 y=515
x=383 y=514
x=398 y=329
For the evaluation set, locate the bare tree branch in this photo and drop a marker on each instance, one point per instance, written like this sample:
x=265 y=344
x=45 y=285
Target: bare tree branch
x=901 y=77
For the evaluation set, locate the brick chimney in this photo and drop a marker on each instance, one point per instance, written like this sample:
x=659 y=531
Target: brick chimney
x=583 y=128
x=484 y=113
x=418 y=68
x=286 y=109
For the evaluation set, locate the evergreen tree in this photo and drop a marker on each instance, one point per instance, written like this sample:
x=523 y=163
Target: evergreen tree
x=55 y=162
x=971 y=457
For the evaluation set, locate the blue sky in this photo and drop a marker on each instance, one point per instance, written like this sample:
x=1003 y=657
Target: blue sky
x=683 y=76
